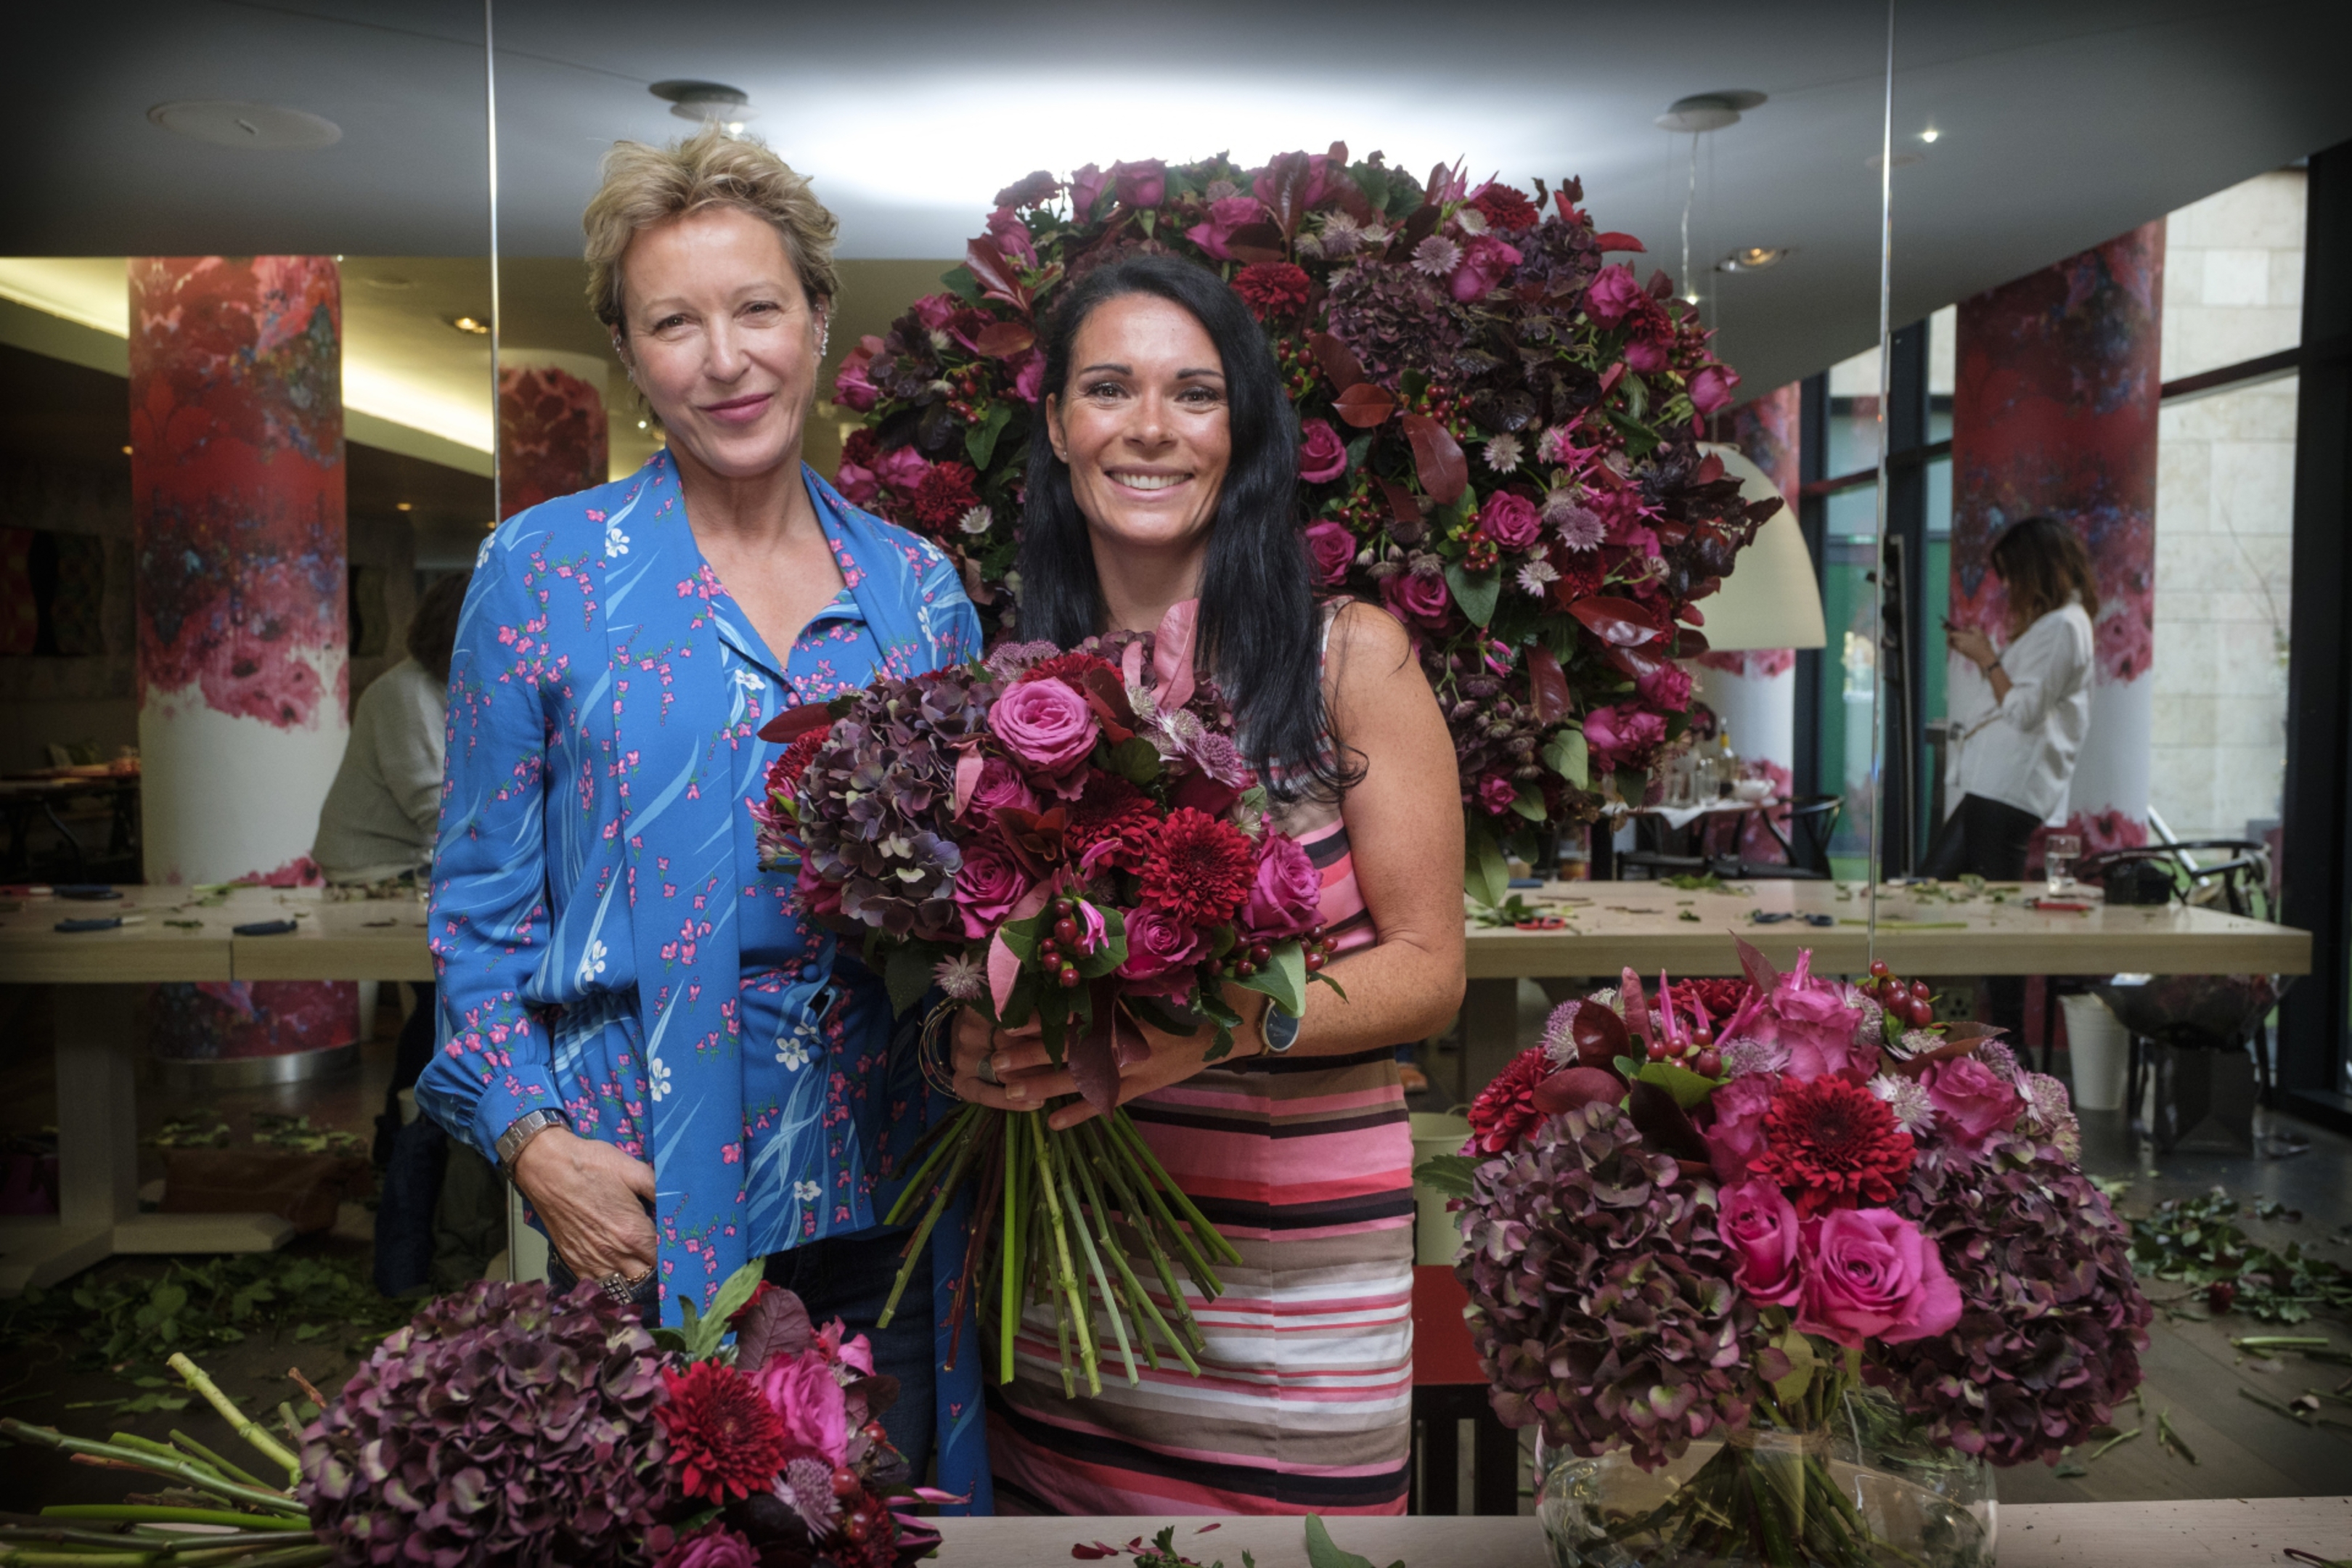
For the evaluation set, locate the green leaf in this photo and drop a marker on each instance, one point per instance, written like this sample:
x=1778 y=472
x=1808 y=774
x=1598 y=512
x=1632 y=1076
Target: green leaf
x=979 y=441
x=1476 y=592
x=1485 y=875
x=907 y=976
x=1529 y=803
x=1283 y=978
x=960 y=282
x=1567 y=754
x=1322 y=1552
x=705 y=1332
x=1022 y=936
x=1161 y=1016
x=1252 y=804
x=1113 y=951
x=1632 y=784
x=670 y=1340
x=1688 y=1087
x=1798 y=1349
x=1357 y=450
x=1445 y=1174
x=1136 y=760
x=1640 y=439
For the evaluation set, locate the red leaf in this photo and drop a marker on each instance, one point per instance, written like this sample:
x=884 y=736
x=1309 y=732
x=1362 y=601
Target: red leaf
x=1401 y=504
x=1756 y=967
x=1095 y=1554
x=1093 y=1055
x=1437 y=458
x=1002 y=339
x=1571 y=1088
x=1256 y=242
x=1338 y=360
x=997 y=279
x=1364 y=406
x=1550 y=684
x=1600 y=1034
x=794 y=722
x=1620 y=623
x=1612 y=240
x=1288 y=176
x=1709 y=471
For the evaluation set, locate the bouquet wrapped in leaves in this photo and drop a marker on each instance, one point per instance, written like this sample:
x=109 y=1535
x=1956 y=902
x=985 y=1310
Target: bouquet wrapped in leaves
x=1500 y=430
x=1715 y=1211
x=1069 y=842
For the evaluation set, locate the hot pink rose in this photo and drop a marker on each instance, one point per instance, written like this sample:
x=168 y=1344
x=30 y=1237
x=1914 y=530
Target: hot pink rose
x=1645 y=356
x=1971 y=1101
x=1225 y=217
x=1510 y=520
x=1486 y=261
x=1869 y=1274
x=1612 y=294
x=1160 y=951
x=1760 y=1225
x=856 y=483
x=1816 y=1023
x=936 y=310
x=1711 y=388
x=815 y=896
x=1013 y=237
x=1417 y=600
x=712 y=1546
x=802 y=1390
x=1322 y=456
x=1000 y=785
x=988 y=884
x=1668 y=686
x=1331 y=547
x=1285 y=892
x=1046 y=724
x=902 y=470
x=1622 y=737
x=1086 y=186
x=1028 y=369
x=1495 y=795
x=851 y=389
x=1736 y=1137
x=1142 y=183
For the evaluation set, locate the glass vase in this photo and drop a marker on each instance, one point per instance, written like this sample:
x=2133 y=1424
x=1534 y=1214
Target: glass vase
x=1865 y=1490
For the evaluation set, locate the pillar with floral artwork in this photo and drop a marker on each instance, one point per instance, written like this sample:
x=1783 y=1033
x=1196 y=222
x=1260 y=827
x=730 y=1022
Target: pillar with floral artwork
x=553 y=439
x=2054 y=412
x=236 y=475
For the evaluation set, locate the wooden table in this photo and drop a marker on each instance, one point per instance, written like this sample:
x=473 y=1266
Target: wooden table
x=2238 y=1532
x=183 y=936
x=1650 y=926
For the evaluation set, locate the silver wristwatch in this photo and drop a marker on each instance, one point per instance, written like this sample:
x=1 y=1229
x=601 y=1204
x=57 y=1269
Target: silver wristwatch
x=521 y=1130
x=1279 y=1030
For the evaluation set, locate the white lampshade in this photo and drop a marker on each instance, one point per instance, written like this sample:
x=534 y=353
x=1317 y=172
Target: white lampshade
x=1772 y=598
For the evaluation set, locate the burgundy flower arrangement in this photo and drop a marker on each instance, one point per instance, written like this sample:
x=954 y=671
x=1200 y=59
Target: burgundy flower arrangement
x=1067 y=842
x=1711 y=1212
x=1498 y=437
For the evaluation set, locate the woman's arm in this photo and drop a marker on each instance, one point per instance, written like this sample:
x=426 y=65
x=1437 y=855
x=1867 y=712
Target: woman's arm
x=410 y=743
x=1977 y=648
x=1405 y=834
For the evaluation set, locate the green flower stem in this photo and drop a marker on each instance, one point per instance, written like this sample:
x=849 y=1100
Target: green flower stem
x=1104 y=1157
x=1141 y=1306
x=1042 y=1287
x=954 y=1133
x=178 y=1470
x=1014 y=1262
x=1101 y=1278
x=251 y=1431
x=227 y=1470
x=964 y=1150
x=1195 y=1264
x=1209 y=1234
x=1066 y=1278
x=153 y=1513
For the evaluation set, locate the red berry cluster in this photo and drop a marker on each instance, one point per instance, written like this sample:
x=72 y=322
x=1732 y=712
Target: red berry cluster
x=1909 y=1004
x=968 y=399
x=1480 y=553
x=1695 y=1050
x=1298 y=368
x=1247 y=958
x=1058 y=953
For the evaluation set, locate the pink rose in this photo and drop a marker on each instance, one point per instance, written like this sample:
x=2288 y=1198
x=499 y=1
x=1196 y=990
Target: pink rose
x=936 y=310
x=802 y=1390
x=814 y=895
x=1028 y=374
x=1225 y=217
x=1160 y=951
x=1495 y=795
x=1332 y=548
x=1736 y=1137
x=712 y=1546
x=851 y=388
x=1760 y=1225
x=1869 y=1274
x=1286 y=894
x=1612 y=294
x=1322 y=456
x=1046 y=724
x=1416 y=599
x=1645 y=356
x=1510 y=520
x=1971 y=1101
x=1814 y=1020
x=901 y=468
x=987 y=886
x=1000 y=785
x=1622 y=737
x=1666 y=686
x=1142 y=183
x=1012 y=236
x=1711 y=388
x=1086 y=186
x=1486 y=261
x=856 y=483
x=1268 y=182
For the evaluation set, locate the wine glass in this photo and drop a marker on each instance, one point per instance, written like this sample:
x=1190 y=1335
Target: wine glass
x=2058 y=853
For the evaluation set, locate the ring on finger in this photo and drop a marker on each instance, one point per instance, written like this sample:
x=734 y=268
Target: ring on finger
x=986 y=1071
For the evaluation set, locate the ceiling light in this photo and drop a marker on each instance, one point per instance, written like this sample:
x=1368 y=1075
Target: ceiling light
x=402 y=506
x=706 y=101
x=126 y=451
x=259 y=126
x=1754 y=259
x=1708 y=110
x=1929 y=135
x=471 y=325
x=641 y=425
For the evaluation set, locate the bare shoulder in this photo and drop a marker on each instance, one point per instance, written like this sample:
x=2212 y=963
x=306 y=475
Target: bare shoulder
x=1366 y=648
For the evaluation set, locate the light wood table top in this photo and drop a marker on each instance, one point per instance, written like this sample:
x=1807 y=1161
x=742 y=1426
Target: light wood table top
x=2240 y=1532
x=1652 y=926
x=187 y=934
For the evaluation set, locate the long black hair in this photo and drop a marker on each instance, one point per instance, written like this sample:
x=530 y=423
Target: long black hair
x=1259 y=633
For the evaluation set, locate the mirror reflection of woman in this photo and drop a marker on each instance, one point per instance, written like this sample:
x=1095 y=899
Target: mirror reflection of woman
x=1162 y=478
x=678 y=1071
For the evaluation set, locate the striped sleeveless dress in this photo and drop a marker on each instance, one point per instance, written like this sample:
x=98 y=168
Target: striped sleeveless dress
x=1305 y=1399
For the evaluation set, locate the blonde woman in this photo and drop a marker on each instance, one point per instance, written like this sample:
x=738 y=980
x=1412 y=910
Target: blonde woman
x=678 y=1070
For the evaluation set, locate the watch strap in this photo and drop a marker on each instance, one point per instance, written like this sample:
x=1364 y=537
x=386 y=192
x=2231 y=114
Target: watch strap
x=521 y=1130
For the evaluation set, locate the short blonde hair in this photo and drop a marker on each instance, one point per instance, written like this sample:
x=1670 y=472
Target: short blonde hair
x=644 y=186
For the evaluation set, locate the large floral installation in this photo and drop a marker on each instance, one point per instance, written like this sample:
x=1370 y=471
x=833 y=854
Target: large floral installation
x=1500 y=438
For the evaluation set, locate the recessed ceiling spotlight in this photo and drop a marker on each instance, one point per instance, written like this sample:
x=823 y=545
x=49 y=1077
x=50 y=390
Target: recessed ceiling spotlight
x=1754 y=259
x=403 y=506
x=126 y=451
x=1930 y=134
x=265 y=127
x=1708 y=110
x=471 y=325
x=706 y=101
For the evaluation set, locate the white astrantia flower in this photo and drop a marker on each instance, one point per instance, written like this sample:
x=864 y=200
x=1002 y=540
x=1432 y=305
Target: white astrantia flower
x=1472 y=220
x=1340 y=236
x=1907 y=1099
x=961 y=978
x=1536 y=576
x=1577 y=525
x=978 y=520
x=1747 y=1054
x=1502 y=453
x=1436 y=256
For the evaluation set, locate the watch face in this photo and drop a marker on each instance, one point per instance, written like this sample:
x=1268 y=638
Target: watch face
x=1281 y=1030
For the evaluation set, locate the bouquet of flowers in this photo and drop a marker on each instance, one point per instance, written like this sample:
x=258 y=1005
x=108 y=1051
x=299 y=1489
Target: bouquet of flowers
x=1069 y=842
x=1500 y=437
x=1714 y=1213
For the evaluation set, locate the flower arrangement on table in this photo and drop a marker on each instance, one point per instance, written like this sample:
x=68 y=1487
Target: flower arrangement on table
x=1714 y=1213
x=1500 y=438
x=1068 y=841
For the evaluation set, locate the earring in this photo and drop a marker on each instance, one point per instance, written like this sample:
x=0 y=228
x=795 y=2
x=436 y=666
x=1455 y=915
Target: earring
x=824 y=334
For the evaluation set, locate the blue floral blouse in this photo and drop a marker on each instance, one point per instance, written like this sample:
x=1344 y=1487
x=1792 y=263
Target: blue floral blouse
x=605 y=943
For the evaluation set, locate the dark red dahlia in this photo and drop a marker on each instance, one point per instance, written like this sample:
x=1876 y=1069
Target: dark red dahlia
x=1505 y=1108
x=1832 y=1144
x=1721 y=996
x=1111 y=807
x=1070 y=668
x=1581 y=573
x=784 y=772
x=1198 y=867
x=1506 y=208
x=724 y=1440
x=945 y=494
x=862 y=447
x=1271 y=288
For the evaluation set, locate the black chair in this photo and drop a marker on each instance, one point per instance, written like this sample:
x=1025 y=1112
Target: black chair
x=1812 y=822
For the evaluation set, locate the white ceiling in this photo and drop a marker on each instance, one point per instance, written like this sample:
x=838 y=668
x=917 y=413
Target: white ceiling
x=2060 y=124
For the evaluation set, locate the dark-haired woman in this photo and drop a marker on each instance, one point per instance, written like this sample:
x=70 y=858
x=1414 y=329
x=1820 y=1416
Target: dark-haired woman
x=1161 y=487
